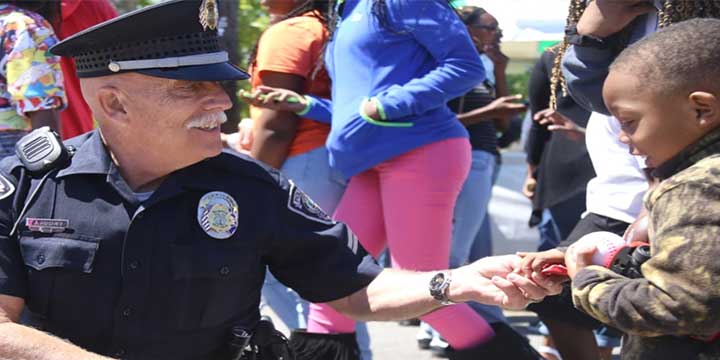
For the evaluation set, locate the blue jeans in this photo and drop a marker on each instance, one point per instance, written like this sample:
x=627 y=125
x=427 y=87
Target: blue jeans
x=471 y=208
x=471 y=232
x=312 y=173
x=549 y=233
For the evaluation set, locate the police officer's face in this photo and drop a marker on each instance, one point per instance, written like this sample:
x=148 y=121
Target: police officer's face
x=180 y=119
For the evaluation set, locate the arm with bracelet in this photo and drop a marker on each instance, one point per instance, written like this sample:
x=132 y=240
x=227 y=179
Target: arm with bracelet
x=308 y=106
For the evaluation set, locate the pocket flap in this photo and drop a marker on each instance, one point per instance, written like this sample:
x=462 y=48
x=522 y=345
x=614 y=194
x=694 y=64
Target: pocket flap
x=58 y=252
x=189 y=262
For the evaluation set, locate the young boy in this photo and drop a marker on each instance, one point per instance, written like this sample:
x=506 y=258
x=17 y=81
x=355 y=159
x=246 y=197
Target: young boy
x=665 y=91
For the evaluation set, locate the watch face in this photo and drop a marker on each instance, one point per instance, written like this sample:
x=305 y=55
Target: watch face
x=437 y=280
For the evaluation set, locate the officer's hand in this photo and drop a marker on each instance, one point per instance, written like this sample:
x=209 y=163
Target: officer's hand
x=274 y=98
x=470 y=283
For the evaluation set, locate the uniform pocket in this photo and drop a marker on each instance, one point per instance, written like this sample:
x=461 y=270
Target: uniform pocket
x=51 y=258
x=76 y=253
x=210 y=286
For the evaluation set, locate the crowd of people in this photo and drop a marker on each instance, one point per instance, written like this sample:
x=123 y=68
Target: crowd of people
x=375 y=132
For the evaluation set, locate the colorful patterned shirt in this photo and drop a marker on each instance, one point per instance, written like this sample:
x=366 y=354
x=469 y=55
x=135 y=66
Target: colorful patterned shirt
x=31 y=79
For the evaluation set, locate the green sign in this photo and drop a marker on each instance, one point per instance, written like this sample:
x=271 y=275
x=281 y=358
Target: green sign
x=458 y=3
x=545 y=44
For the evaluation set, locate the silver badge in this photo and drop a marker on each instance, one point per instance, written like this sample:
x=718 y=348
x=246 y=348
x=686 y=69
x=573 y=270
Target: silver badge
x=218 y=214
x=209 y=14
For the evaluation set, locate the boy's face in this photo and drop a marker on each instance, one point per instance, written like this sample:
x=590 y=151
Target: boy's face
x=655 y=125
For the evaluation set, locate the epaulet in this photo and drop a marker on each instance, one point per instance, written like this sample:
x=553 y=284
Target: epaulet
x=239 y=164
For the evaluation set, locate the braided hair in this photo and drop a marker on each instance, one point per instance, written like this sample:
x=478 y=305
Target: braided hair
x=557 y=80
x=674 y=11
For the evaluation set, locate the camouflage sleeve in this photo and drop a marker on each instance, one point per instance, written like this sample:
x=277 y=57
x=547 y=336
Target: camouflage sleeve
x=678 y=294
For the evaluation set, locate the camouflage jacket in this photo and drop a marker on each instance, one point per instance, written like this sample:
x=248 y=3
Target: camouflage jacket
x=679 y=296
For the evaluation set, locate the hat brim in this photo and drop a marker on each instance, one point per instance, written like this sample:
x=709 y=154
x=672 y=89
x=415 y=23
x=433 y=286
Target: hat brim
x=211 y=72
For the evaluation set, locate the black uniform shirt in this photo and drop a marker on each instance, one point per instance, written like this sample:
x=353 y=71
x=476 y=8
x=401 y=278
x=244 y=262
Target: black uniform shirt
x=145 y=280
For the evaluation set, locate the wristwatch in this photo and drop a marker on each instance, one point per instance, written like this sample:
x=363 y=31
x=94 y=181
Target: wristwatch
x=439 y=285
x=576 y=39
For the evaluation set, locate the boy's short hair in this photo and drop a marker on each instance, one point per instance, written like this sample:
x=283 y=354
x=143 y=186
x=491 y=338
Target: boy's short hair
x=682 y=57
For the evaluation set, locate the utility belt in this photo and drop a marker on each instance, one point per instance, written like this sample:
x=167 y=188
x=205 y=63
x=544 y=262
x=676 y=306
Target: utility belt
x=263 y=342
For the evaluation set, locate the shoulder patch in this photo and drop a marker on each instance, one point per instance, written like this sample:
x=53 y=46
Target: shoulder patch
x=6 y=187
x=301 y=204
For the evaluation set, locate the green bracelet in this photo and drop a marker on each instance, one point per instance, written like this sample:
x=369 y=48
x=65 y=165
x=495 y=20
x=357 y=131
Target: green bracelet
x=248 y=95
x=381 y=111
x=308 y=106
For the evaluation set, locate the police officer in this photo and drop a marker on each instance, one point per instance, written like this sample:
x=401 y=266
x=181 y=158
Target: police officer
x=143 y=240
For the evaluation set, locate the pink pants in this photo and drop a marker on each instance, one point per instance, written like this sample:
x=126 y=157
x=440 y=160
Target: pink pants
x=406 y=203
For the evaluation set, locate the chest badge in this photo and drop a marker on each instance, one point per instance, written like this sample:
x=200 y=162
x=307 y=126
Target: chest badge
x=218 y=214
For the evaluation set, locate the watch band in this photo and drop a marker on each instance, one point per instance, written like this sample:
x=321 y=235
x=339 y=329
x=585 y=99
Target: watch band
x=439 y=285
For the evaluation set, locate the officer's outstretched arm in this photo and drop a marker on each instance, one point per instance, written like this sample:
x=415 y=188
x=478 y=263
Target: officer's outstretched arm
x=22 y=342
x=398 y=294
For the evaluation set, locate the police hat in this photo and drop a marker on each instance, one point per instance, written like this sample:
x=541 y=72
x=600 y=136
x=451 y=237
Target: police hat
x=176 y=39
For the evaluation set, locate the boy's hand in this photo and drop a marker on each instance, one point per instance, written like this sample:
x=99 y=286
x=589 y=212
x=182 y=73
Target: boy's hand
x=535 y=262
x=603 y=18
x=578 y=256
x=274 y=98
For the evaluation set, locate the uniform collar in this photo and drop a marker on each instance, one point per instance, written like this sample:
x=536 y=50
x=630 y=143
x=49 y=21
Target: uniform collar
x=90 y=158
x=706 y=146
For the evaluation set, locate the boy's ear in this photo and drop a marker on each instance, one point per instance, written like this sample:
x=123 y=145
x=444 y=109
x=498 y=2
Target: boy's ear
x=707 y=107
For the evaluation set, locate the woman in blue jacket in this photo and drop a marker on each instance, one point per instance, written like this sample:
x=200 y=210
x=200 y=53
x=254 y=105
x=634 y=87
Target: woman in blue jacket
x=394 y=65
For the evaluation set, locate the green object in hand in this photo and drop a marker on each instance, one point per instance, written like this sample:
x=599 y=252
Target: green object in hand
x=248 y=95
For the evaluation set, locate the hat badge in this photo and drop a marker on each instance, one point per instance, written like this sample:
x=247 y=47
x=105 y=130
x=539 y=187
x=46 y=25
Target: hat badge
x=209 y=14
x=113 y=66
x=218 y=214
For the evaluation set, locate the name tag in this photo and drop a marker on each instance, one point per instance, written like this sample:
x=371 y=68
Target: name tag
x=47 y=226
